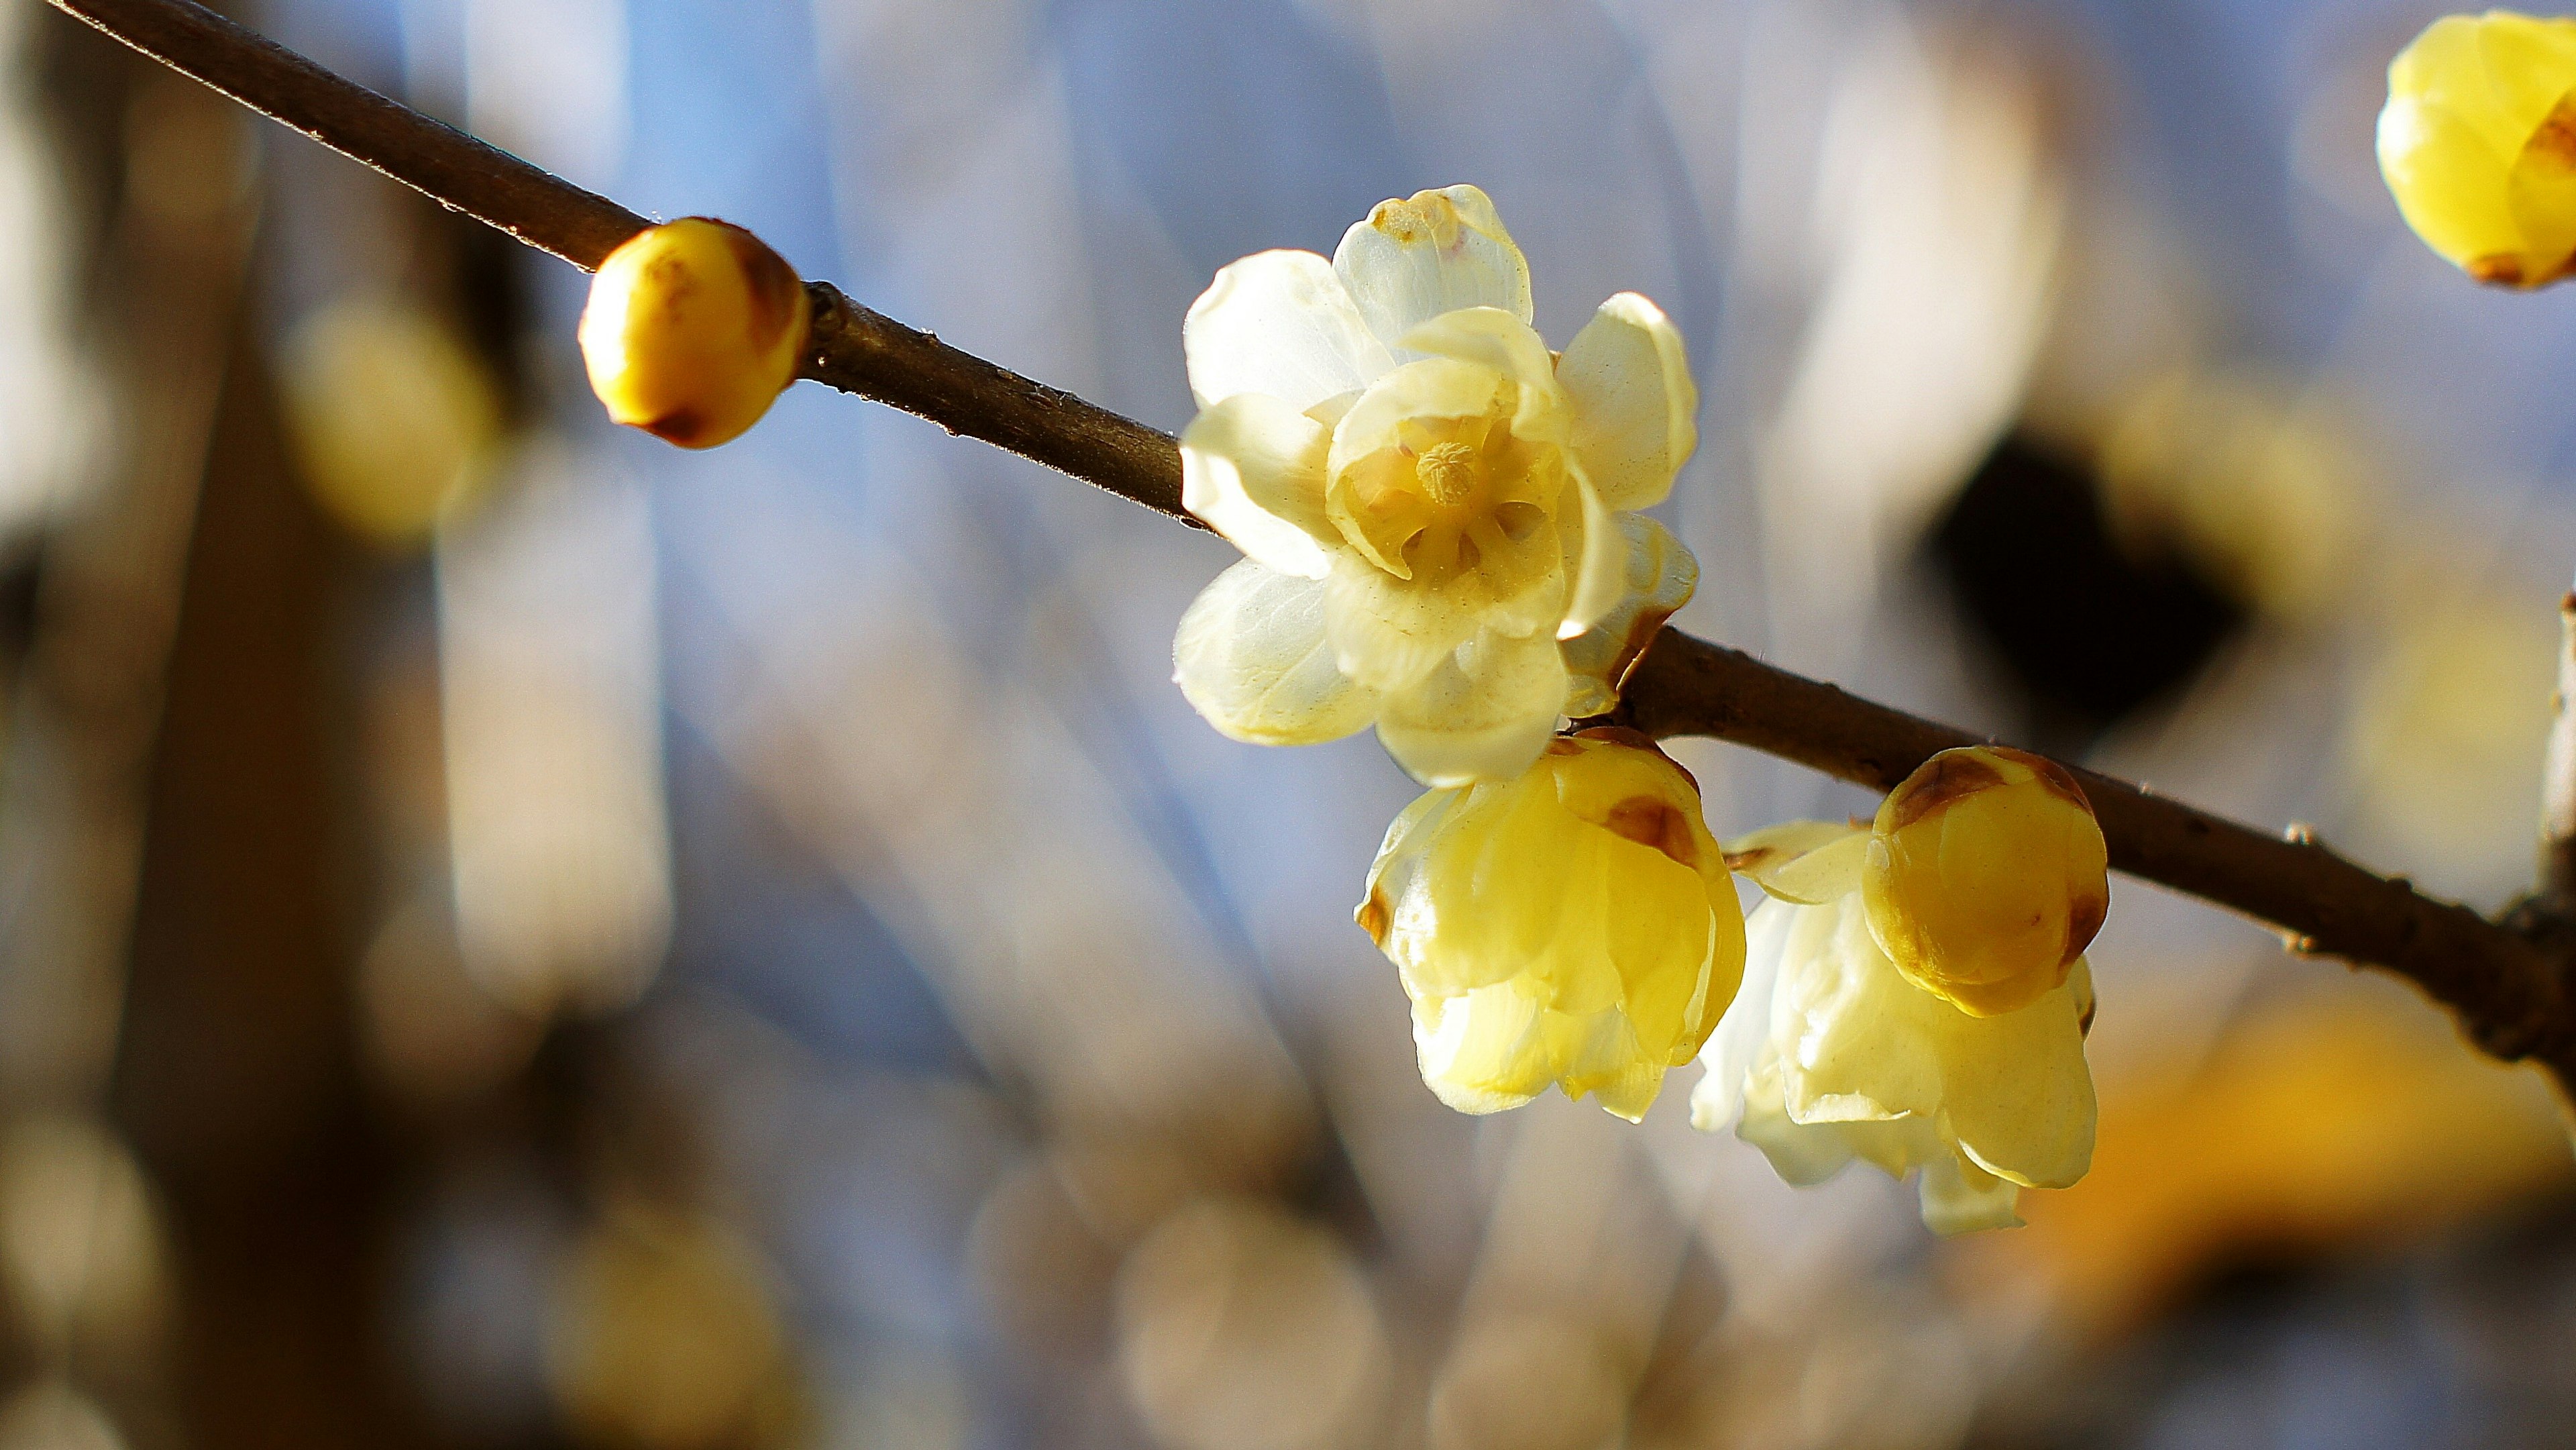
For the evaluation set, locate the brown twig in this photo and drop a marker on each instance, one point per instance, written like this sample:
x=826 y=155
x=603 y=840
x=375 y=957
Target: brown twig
x=2509 y=983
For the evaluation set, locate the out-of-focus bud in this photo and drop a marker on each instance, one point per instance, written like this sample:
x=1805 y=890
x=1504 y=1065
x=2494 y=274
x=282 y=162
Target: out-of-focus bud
x=1986 y=877
x=393 y=419
x=692 y=329
x=1576 y=925
x=2478 y=143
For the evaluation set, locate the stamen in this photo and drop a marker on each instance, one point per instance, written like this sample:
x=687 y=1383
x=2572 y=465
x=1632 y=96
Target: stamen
x=1447 y=472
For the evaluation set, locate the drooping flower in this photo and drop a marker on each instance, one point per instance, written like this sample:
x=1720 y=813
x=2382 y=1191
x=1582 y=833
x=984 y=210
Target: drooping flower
x=1576 y=925
x=1829 y=1053
x=2478 y=143
x=1986 y=876
x=1428 y=501
x=692 y=329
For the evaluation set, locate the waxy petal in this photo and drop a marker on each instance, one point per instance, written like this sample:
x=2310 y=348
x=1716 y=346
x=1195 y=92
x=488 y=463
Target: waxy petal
x=1434 y=252
x=1483 y=714
x=1251 y=657
x=1635 y=408
x=1279 y=323
x=1253 y=468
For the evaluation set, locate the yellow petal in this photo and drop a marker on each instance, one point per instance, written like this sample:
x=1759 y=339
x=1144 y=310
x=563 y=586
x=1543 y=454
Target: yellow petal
x=1390 y=633
x=1484 y=712
x=1434 y=252
x=1278 y=323
x=1251 y=657
x=1253 y=468
x=1494 y=339
x=1791 y=861
x=1482 y=1051
x=1635 y=408
x=1959 y=1197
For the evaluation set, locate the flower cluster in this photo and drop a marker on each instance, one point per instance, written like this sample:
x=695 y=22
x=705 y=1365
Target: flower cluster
x=1441 y=537
x=1855 y=1035
x=2478 y=143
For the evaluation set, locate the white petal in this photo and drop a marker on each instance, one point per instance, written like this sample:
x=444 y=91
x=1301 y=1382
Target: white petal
x=1597 y=558
x=1484 y=714
x=1802 y=1154
x=1635 y=408
x=1736 y=1047
x=1279 y=323
x=1855 y=1040
x=1434 y=252
x=1253 y=467
x=1661 y=577
x=1251 y=657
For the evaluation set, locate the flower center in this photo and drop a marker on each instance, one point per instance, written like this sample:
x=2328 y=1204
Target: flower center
x=1447 y=473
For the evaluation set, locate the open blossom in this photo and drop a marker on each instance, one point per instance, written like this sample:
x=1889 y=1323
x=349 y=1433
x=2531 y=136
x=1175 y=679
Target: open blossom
x=1829 y=1053
x=2478 y=143
x=1576 y=925
x=1427 y=500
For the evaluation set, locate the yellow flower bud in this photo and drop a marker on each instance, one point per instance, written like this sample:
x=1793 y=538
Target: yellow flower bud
x=1576 y=925
x=2478 y=143
x=1986 y=877
x=692 y=329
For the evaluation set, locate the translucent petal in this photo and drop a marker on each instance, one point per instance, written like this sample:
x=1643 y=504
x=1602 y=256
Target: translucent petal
x=1484 y=713
x=1855 y=1038
x=1482 y=1051
x=1434 y=252
x=1251 y=656
x=1494 y=339
x=1279 y=323
x=1803 y=1156
x=1253 y=468
x=1959 y=1197
x=1596 y=555
x=1428 y=388
x=2020 y=1095
x=1390 y=633
x=1743 y=1035
x=1807 y=863
x=1660 y=577
x=1635 y=408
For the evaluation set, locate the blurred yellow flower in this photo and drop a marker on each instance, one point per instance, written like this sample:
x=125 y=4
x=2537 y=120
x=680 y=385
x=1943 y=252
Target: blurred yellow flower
x=2478 y=143
x=1830 y=1054
x=692 y=330
x=1427 y=500
x=1575 y=926
x=1986 y=877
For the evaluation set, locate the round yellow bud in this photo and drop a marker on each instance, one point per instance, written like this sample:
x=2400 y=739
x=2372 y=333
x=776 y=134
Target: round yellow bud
x=1986 y=877
x=1576 y=925
x=692 y=329
x=2478 y=143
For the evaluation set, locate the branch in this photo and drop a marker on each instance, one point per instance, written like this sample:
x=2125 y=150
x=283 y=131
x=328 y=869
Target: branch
x=2509 y=982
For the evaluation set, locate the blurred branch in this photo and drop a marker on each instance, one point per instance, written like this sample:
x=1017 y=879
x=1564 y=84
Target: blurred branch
x=2510 y=983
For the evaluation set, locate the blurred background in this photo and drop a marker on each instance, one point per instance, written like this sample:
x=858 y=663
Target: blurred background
x=513 y=935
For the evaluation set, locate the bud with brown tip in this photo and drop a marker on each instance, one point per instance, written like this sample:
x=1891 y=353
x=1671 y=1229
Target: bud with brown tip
x=1986 y=877
x=692 y=329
